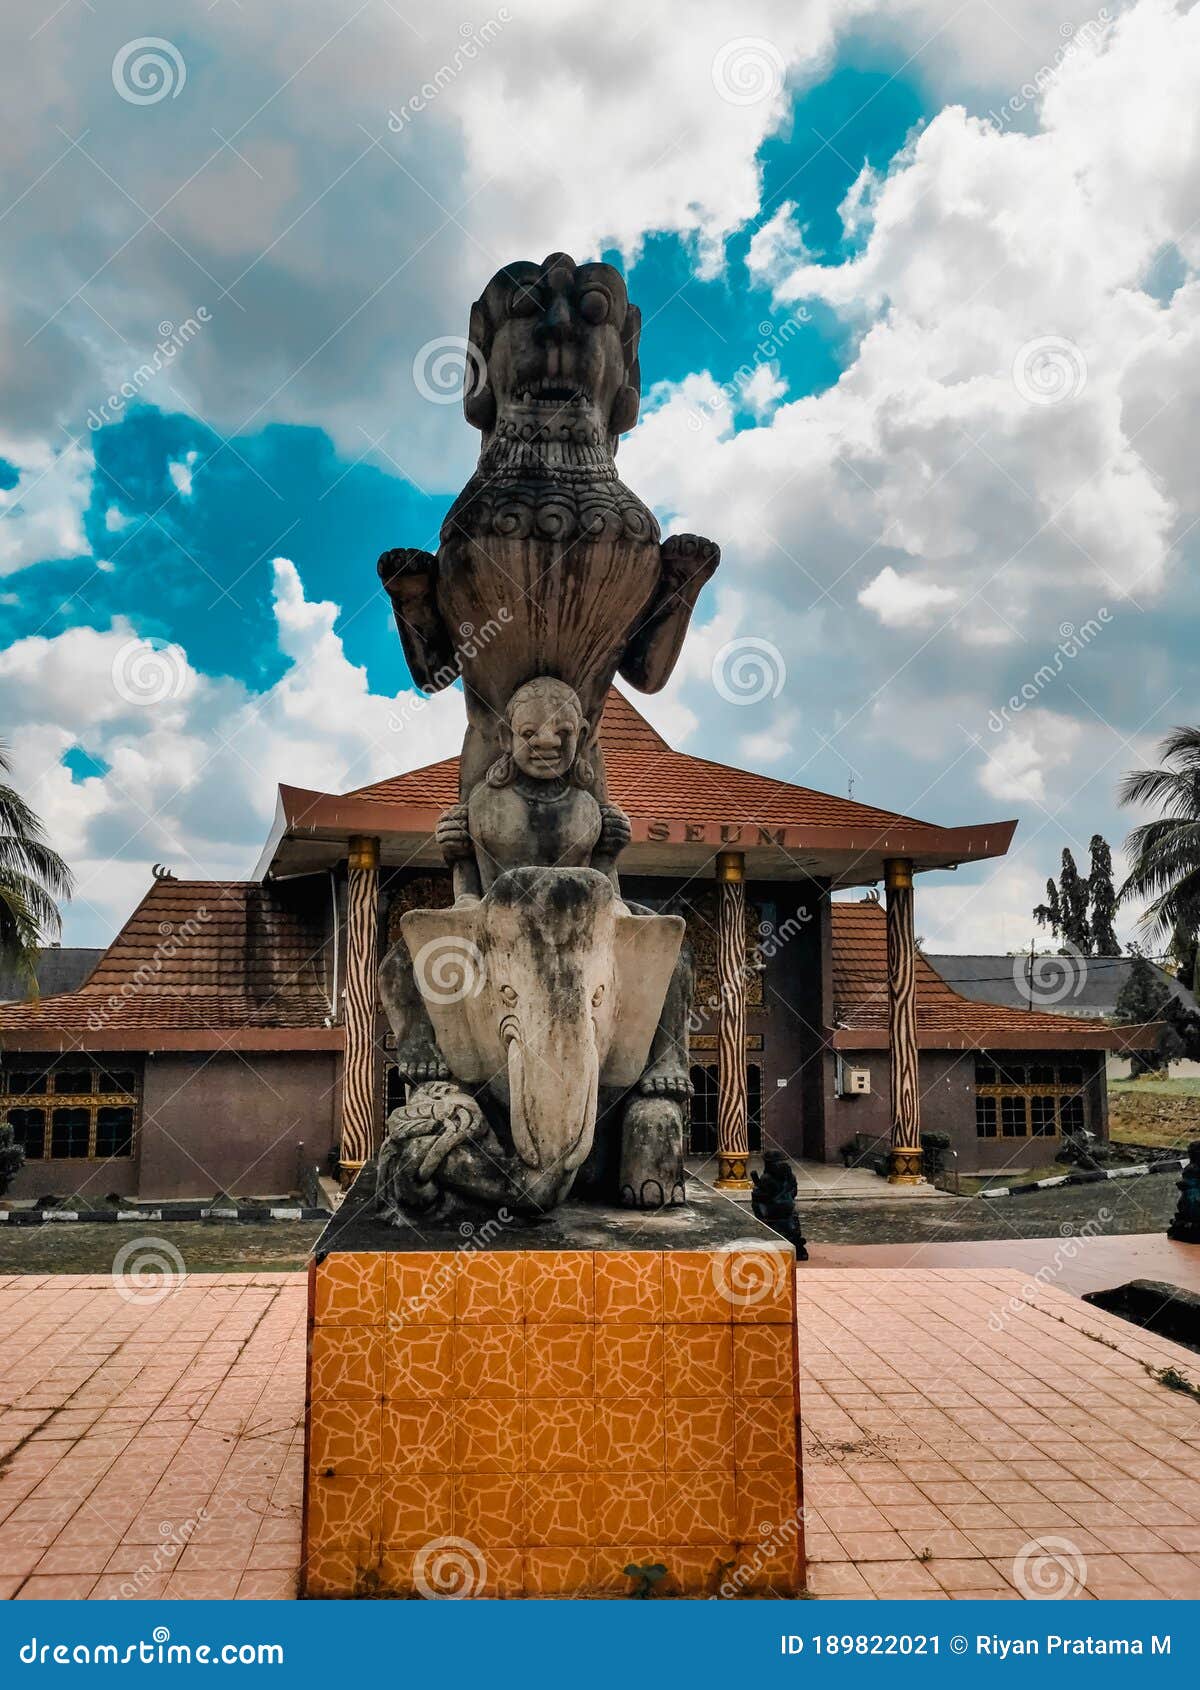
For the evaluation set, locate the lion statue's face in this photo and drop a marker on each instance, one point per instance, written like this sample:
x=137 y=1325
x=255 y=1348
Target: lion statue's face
x=556 y=347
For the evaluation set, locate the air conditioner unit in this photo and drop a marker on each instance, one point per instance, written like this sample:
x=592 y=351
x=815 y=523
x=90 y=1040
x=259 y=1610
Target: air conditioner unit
x=856 y=1082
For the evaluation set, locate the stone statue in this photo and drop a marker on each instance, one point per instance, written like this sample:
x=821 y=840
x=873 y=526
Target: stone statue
x=1185 y=1226
x=542 y=1003
x=774 y=1199
x=535 y=804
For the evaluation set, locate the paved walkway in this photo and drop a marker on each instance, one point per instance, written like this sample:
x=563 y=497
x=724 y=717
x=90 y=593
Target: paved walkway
x=819 y=1182
x=1071 y=1263
x=151 y=1448
x=967 y=1433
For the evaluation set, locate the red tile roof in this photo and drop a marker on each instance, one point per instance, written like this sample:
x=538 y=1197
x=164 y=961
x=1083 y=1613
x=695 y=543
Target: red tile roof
x=945 y=1020
x=195 y=954
x=646 y=777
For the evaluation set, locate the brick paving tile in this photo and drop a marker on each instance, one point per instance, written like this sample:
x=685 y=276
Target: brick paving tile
x=954 y=1417
x=1042 y=1422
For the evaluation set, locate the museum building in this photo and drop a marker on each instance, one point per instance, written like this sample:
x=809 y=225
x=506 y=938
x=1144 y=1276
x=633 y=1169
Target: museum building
x=231 y=1037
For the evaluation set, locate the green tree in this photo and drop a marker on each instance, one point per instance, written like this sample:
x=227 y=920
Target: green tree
x=1185 y=952
x=1103 y=899
x=12 y=1157
x=1049 y=914
x=1066 y=907
x=1146 y=997
x=32 y=877
x=1073 y=899
x=1140 y=1000
x=1165 y=853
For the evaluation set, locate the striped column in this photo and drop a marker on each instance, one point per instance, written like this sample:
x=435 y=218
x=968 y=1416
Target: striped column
x=733 y=1144
x=360 y=1069
x=904 y=1160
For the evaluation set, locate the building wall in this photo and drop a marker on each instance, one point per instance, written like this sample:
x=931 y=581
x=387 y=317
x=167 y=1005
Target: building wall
x=788 y=924
x=948 y=1106
x=233 y=1122
x=66 y=1176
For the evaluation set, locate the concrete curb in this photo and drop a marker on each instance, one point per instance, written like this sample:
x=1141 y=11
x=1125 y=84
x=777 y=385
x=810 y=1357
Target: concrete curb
x=1092 y=1176
x=180 y=1212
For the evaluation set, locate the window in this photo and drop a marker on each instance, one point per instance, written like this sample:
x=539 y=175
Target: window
x=1013 y=1123
x=702 y=1128
x=393 y=1090
x=29 y=1130
x=1072 y=1114
x=81 y=1107
x=1028 y=1099
x=1042 y=1112
x=69 y=1132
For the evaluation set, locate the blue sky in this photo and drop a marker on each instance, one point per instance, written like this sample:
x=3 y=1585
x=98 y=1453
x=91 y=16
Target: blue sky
x=858 y=300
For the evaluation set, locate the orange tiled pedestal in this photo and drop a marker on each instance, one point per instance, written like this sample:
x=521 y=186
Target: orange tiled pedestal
x=527 y=1411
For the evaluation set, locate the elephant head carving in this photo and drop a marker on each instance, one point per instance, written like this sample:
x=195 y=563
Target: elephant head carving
x=539 y=993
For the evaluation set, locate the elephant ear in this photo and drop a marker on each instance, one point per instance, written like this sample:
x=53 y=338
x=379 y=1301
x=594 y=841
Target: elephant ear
x=448 y=969
x=646 y=950
x=479 y=399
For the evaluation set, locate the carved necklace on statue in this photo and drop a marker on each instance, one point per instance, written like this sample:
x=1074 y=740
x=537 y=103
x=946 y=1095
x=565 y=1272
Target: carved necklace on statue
x=543 y=791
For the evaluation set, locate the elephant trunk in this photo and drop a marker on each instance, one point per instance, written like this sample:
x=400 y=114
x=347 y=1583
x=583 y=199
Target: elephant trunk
x=552 y=1097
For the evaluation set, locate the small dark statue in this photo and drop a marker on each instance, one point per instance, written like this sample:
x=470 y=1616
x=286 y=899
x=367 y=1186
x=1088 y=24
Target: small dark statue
x=1082 y=1149
x=774 y=1200
x=1185 y=1228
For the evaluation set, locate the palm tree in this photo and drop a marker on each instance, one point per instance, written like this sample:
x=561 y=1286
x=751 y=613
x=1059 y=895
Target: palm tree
x=32 y=877
x=1165 y=854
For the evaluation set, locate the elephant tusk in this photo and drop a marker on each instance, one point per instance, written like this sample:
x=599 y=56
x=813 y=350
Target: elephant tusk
x=578 y=1152
x=526 y=1146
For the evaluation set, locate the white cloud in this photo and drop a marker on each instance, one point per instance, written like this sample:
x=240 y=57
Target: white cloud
x=941 y=519
x=180 y=472
x=42 y=516
x=899 y=601
x=194 y=759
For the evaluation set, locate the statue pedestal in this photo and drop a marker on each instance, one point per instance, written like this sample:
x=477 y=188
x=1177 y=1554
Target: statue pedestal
x=518 y=1409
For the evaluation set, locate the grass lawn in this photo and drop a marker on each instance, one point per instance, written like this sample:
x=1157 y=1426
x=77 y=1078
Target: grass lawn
x=1136 y=1115
x=205 y=1246
x=1155 y=1088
